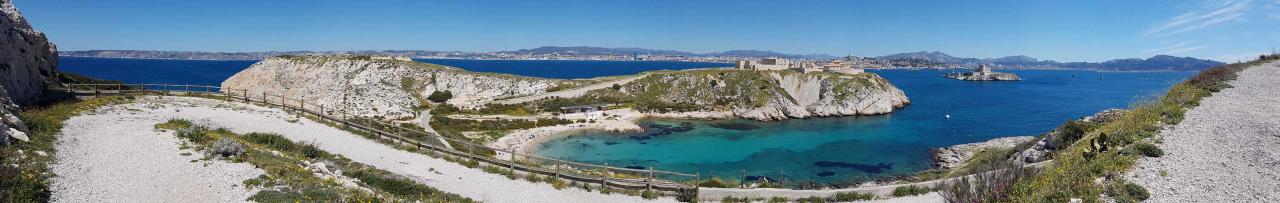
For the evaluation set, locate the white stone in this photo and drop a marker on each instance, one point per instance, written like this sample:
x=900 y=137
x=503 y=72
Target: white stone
x=15 y=134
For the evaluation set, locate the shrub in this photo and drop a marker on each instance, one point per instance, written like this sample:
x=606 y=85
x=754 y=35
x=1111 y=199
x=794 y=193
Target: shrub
x=227 y=147
x=1147 y=149
x=715 y=182
x=439 y=96
x=194 y=134
x=910 y=190
x=731 y=199
x=854 y=196
x=1136 y=191
x=813 y=199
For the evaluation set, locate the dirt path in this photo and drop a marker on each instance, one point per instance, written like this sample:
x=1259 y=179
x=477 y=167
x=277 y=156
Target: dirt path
x=1226 y=150
x=572 y=92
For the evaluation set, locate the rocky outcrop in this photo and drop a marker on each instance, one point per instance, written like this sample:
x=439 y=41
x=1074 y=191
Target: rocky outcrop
x=762 y=95
x=27 y=62
x=27 y=59
x=983 y=76
x=1041 y=149
x=377 y=87
x=955 y=156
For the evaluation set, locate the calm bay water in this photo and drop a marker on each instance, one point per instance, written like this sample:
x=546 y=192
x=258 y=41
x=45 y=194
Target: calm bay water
x=822 y=150
x=843 y=149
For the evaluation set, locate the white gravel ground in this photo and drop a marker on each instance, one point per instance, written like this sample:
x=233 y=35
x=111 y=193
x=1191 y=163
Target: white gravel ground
x=244 y=118
x=1226 y=150
x=113 y=155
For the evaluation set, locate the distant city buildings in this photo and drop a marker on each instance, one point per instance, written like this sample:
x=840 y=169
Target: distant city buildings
x=835 y=66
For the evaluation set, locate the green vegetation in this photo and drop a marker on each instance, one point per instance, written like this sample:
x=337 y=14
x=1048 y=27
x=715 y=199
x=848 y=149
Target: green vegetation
x=1147 y=149
x=289 y=177
x=1096 y=153
x=854 y=196
x=439 y=96
x=910 y=190
x=714 y=89
x=24 y=176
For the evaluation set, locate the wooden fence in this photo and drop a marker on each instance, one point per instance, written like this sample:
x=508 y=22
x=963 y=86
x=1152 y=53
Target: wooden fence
x=586 y=173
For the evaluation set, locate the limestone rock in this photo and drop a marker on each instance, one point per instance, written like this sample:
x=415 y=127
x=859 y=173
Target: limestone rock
x=955 y=156
x=368 y=86
x=19 y=135
x=27 y=59
x=768 y=95
x=27 y=63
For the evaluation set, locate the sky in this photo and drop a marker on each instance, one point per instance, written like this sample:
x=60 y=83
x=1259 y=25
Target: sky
x=1055 y=30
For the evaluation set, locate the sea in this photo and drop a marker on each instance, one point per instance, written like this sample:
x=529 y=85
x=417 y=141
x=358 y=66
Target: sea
x=832 y=150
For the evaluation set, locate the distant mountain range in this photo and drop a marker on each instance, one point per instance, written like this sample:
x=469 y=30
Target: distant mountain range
x=585 y=50
x=1154 y=63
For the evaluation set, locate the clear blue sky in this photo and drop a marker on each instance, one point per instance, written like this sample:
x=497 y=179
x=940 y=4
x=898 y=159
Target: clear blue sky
x=1057 y=30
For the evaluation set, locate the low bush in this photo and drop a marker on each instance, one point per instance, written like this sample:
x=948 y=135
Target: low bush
x=1147 y=149
x=226 y=148
x=439 y=96
x=854 y=196
x=910 y=190
x=716 y=182
x=731 y=199
x=1136 y=191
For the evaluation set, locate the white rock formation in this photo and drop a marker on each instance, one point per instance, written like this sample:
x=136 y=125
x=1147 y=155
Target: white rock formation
x=376 y=87
x=27 y=62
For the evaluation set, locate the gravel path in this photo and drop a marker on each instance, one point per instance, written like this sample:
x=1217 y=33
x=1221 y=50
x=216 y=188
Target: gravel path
x=1226 y=150
x=447 y=176
x=113 y=155
x=571 y=93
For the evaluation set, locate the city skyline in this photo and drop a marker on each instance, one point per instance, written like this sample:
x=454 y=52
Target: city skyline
x=1063 y=31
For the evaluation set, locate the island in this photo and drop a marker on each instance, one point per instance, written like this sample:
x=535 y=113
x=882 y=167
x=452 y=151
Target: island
x=983 y=73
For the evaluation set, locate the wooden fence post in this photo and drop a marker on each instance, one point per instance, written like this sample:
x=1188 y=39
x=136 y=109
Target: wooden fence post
x=558 y=163
x=513 y=161
x=649 y=182
x=604 y=177
x=697 y=181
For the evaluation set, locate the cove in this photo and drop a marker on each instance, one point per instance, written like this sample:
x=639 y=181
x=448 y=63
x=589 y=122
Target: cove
x=837 y=150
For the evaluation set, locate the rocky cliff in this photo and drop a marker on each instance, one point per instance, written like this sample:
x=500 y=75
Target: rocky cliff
x=761 y=95
x=27 y=62
x=370 y=86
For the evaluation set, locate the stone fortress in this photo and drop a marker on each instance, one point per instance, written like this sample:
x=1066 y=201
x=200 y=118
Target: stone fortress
x=835 y=66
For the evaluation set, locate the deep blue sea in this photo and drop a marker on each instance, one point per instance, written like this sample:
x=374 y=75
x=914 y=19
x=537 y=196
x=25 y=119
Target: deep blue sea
x=213 y=72
x=822 y=150
x=844 y=149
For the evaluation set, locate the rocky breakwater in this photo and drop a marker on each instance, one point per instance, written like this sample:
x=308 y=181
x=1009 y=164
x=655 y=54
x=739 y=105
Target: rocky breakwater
x=759 y=95
x=27 y=62
x=378 y=86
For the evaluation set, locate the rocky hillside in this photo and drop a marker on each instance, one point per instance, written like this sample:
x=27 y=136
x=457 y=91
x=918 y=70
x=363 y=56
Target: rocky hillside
x=27 y=62
x=379 y=87
x=761 y=95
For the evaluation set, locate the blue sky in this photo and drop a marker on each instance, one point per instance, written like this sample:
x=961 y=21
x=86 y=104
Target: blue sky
x=1056 y=30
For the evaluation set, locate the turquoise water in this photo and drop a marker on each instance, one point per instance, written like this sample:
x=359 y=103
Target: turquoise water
x=847 y=149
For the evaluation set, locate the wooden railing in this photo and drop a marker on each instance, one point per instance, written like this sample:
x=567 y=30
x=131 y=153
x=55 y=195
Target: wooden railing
x=586 y=173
